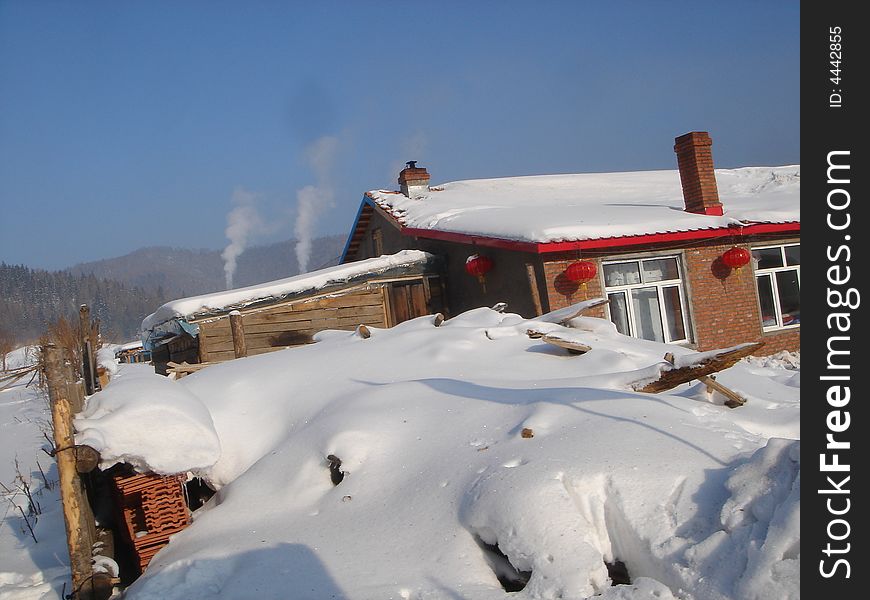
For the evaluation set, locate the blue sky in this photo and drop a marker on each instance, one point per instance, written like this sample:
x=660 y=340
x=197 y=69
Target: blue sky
x=130 y=124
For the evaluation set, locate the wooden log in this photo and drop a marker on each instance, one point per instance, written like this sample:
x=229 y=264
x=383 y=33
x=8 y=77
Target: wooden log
x=572 y=346
x=87 y=459
x=672 y=376
x=533 y=287
x=363 y=332
x=240 y=348
x=438 y=320
x=78 y=532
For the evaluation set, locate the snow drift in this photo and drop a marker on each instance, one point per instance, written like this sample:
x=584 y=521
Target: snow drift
x=471 y=456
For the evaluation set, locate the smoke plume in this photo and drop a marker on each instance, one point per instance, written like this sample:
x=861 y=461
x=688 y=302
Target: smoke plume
x=312 y=199
x=242 y=222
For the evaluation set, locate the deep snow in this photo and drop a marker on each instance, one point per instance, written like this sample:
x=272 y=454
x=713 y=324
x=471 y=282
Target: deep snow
x=29 y=570
x=465 y=435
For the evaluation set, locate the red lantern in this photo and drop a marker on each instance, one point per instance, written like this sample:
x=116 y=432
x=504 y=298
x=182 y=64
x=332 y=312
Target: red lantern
x=736 y=257
x=581 y=272
x=479 y=266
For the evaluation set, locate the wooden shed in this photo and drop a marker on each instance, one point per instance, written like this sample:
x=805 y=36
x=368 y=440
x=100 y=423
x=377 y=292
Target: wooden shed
x=379 y=292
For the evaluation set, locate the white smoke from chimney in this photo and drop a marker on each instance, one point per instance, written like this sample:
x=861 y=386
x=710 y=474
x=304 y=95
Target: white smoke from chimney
x=312 y=199
x=242 y=221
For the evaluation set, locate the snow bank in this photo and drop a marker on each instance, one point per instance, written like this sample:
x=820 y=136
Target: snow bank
x=150 y=422
x=554 y=208
x=471 y=452
x=29 y=570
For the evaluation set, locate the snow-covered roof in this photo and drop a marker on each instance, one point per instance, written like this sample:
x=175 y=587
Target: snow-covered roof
x=323 y=279
x=593 y=206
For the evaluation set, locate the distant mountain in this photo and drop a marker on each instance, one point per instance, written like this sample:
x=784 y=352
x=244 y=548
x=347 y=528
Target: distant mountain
x=180 y=272
x=124 y=290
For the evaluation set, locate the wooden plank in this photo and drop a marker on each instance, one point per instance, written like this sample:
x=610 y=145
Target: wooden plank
x=733 y=398
x=400 y=304
x=288 y=304
x=202 y=346
x=310 y=315
x=216 y=356
x=347 y=300
x=419 y=305
x=370 y=318
x=373 y=313
x=386 y=300
x=573 y=346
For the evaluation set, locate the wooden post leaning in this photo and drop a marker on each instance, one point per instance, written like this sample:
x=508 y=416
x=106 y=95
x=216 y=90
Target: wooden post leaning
x=66 y=397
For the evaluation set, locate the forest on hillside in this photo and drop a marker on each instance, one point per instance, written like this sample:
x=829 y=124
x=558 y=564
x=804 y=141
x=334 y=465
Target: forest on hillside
x=122 y=291
x=30 y=299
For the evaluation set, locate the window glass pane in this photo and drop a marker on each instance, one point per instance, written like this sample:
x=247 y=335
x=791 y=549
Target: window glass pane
x=660 y=269
x=673 y=313
x=789 y=296
x=767 y=258
x=765 y=296
x=792 y=255
x=647 y=318
x=621 y=274
x=619 y=312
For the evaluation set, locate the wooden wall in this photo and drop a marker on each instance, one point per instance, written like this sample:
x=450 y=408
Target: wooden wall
x=292 y=324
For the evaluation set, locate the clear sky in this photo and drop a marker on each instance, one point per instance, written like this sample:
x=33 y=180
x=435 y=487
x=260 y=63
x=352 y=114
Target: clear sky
x=126 y=124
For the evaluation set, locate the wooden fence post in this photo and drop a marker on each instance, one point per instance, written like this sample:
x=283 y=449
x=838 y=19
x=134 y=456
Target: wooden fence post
x=87 y=349
x=237 y=328
x=78 y=516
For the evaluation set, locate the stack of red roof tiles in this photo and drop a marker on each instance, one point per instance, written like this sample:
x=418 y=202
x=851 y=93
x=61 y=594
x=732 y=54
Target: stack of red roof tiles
x=153 y=509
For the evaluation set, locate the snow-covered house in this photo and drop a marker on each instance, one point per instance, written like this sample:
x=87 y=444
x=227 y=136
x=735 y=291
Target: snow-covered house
x=665 y=247
x=378 y=292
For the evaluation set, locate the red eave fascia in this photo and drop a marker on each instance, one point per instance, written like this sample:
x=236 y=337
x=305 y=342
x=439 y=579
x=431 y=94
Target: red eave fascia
x=613 y=242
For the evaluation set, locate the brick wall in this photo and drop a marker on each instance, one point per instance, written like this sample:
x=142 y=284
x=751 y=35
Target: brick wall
x=562 y=292
x=724 y=304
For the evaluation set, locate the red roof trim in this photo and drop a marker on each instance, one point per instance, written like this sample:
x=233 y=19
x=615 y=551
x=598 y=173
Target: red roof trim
x=633 y=240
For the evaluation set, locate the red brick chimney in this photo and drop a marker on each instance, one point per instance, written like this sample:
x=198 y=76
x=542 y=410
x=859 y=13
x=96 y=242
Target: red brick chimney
x=695 y=160
x=413 y=182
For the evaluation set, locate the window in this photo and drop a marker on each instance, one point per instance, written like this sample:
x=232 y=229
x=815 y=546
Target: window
x=778 y=277
x=646 y=298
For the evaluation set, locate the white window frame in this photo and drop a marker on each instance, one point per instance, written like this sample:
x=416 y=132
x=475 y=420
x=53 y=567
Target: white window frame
x=770 y=273
x=659 y=285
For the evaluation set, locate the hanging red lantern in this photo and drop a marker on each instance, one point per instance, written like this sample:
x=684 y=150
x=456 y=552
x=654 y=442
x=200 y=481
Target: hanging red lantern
x=478 y=266
x=736 y=257
x=581 y=272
